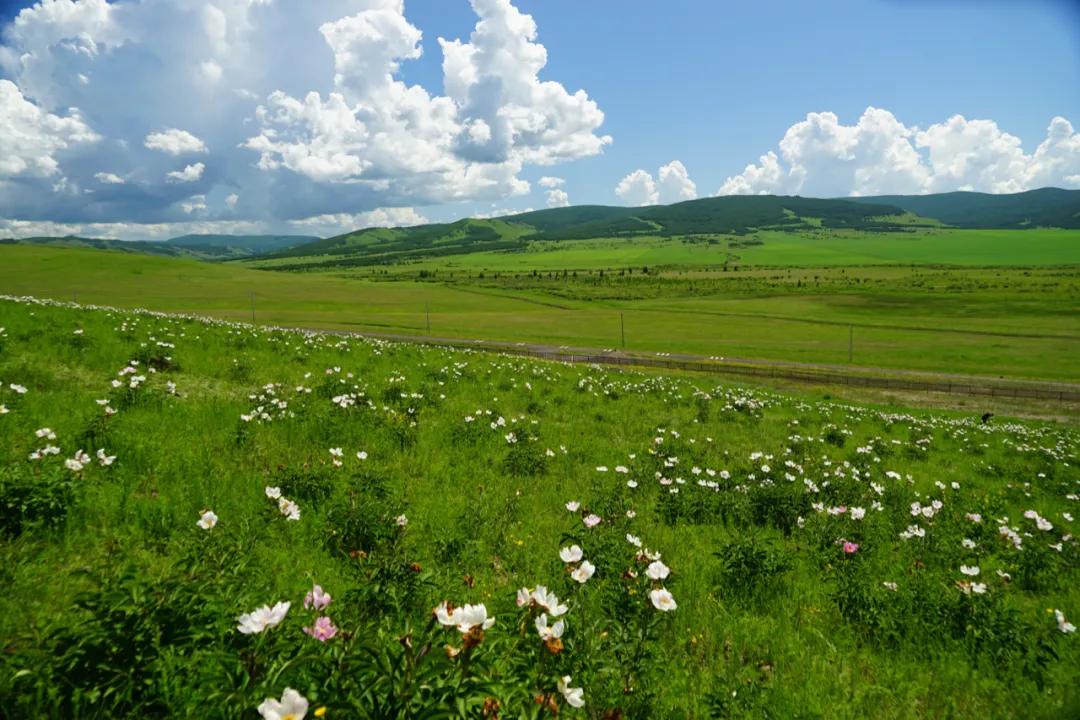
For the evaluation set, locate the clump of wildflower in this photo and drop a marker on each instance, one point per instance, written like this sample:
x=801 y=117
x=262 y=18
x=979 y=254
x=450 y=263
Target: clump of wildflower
x=575 y=697
x=262 y=618
x=662 y=600
x=322 y=629
x=207 y=520
x=316 y=599
x=292 y=706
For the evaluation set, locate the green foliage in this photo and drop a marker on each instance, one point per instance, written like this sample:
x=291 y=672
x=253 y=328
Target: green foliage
x=124 y=582
x=750 y=566
x=40 y=496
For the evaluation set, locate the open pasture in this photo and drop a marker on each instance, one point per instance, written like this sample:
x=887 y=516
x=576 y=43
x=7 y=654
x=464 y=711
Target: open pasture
x=1011 y=322
x=921 y=246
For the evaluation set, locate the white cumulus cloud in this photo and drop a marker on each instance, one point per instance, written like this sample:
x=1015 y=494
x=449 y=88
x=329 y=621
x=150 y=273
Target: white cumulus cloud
x=191 y=173
x=557 y=198
x=299 y=107
x=30 y=138
x=822 y=157
x=109 y=178
x=638 y=188
x=673 y=185
x=175 y=142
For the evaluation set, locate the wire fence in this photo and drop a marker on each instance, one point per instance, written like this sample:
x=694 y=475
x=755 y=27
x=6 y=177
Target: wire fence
x=1031 y=391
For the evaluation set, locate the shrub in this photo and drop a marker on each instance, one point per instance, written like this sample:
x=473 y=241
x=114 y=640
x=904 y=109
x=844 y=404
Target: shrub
x=42 y=495
x=750 y=565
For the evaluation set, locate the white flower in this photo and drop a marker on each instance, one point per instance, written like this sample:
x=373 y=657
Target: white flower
x=889 y=585
x=207 y=520
x=591 y=520
x=265 y=617
x=4 y=410
x=273 y=492
x=858 y=513
x=583 y=572
x=548 y=600
x=571 y=554
x=971 y=570
x=657 y=570
x=573 y=506
x=524 y=596
x=401 y=521
x=103 y=459
x=45 y=433
x=289 y=509
x=1063 y=625
x=20 y=389
x=549 y=632
x=978 y=588
x=336 y=452
x=464 y=618
x=292 y=706
x=633 y=540
x=968 y=543
x=73 y=465
x=575 y=697
x=362 y=455
x=662 y=600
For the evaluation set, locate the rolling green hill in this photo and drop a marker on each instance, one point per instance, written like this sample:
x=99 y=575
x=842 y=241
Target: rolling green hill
x=720 y=215
x=729 y=215
x=1046 y=207
x=230 y=246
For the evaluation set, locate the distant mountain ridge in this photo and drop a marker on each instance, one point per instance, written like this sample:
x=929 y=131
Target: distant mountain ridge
x=201 y=247
x=726 y=215
x=1047 y=207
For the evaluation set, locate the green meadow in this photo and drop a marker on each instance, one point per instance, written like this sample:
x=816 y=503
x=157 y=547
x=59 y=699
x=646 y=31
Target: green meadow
x=1000 y=321
x=196 y=516
x=921 y=246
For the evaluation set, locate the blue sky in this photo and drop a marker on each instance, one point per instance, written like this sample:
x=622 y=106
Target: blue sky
x=967 y=95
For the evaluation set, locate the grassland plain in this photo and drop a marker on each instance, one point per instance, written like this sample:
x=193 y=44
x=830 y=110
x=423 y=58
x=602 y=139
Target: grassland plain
x=922 y=246
x=1018 y=322
x=822 y=559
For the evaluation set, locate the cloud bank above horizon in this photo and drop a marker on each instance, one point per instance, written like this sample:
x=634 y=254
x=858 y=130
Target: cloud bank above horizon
x=879 y=155
x=230 y=113
x=143 y=120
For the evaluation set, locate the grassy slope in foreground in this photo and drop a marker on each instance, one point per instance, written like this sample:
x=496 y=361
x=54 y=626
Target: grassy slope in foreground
x=774 y=618
x=323 y=301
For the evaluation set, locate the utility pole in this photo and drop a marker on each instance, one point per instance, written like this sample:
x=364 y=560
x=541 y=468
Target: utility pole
x=252 y=307
x=622 y=329
x=850 y=342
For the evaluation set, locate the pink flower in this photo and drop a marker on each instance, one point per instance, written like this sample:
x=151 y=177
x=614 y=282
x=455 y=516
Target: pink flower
x=851 y=548
x=592 y=520
x=322 y=629
x=316 y=599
